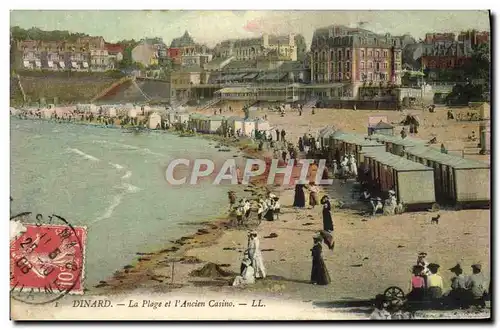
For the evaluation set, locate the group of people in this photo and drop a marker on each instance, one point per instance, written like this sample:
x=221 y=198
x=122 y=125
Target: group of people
x=427 y=284
x=346 y=166
x=268 y=208
x=252 y=265
x=308 y=143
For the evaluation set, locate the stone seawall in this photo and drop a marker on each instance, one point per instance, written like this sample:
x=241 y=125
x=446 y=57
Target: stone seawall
x=58 y=87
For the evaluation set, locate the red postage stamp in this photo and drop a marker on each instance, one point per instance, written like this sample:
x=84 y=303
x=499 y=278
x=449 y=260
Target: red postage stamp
x=48 y=258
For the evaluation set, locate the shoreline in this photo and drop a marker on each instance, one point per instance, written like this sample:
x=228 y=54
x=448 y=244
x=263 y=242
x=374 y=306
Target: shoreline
x=177 y=249
x=206 y=234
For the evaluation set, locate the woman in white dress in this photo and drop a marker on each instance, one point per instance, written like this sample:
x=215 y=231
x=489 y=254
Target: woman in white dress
x=247 y=275
x=256 y=255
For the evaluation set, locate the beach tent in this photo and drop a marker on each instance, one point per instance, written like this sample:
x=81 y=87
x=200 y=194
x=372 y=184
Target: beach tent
x=132 y=113
x=154 y=120
x=410 y=119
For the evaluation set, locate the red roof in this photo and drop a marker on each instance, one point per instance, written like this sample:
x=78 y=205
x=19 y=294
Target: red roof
x=114 y=48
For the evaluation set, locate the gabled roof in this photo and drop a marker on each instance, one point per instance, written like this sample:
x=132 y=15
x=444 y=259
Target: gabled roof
x=114 y=48
x=183 y=41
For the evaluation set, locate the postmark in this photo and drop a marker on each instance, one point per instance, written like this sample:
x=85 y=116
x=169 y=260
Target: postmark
x=46 y=259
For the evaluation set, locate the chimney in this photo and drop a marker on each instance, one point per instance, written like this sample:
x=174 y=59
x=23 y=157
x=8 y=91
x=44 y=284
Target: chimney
x=265 y=40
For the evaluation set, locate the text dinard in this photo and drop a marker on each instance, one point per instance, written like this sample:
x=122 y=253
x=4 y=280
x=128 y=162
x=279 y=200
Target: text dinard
x=154 y=304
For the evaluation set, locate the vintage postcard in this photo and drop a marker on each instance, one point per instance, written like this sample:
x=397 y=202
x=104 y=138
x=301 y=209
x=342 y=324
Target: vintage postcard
x=250 y=165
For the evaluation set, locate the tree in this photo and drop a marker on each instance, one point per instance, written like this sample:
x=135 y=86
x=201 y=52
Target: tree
x=20 y=34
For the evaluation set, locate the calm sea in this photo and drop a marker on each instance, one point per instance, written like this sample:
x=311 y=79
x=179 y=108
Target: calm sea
x=113 y=182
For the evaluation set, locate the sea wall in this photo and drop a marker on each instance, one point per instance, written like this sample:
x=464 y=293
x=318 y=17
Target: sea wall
x=58 y=87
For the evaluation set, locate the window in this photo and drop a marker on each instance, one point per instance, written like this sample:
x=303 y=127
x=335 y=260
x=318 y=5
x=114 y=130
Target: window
x=340 y=75
x=377 y=54
x=316 y=56
x=340 y=55
x=377 y=66
x=385 y=65
x=324 y=56
x=348 y=53
x=362 y=65
x=370 y=53
x=332 y=55
x=362 y=54
x=370 y=76
x=348 y=66
x=370 y=65
x=339 y=67
x=385 y=53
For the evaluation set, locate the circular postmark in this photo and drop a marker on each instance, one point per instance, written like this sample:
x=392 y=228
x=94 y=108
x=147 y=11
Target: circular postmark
x=46 y=258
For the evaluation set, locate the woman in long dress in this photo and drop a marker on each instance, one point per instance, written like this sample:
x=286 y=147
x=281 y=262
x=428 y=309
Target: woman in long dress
x=256 y=255
x=319 y=273
x=247 y=273
x=327 y=216
x=299 y=200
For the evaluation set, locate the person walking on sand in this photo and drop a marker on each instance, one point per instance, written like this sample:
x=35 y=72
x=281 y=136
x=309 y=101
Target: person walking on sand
x=232 y=198
x=256 y=255
x=327 y=216
x=277 y=135
x=313 y=194
x=299 y=199
x=283 y=134
x=319 y=273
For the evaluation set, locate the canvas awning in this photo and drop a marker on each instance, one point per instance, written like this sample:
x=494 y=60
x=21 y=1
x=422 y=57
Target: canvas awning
x=85 y=65
x=236 y=90
x=50 y=64
x=74 y=65
x=26 y=64
x=38 y=64
x=61 y=64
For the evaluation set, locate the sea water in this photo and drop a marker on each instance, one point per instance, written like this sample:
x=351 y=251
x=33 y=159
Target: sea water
x=112 y=182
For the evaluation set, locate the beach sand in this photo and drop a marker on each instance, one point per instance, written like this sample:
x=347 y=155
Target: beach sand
x=370 y=254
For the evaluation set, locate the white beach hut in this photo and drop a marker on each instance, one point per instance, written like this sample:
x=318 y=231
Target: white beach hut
x=132 y=113
x=235 y=123
x=110 y=112
x=47 y=113
x=181 y=117
x=262 y=125
x=154 y=120
x=215 y=123
x=248 y=127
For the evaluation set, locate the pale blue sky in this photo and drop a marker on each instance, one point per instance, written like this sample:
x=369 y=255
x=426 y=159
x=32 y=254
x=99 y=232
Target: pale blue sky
x=212 y=26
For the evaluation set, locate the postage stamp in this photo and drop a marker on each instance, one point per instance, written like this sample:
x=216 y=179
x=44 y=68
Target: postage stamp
x=47 y=259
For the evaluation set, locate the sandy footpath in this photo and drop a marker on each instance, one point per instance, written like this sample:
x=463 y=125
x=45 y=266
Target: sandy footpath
x=370 y=254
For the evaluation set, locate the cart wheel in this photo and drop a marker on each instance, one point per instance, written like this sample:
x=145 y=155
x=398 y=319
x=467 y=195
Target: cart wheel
x=394 y=292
